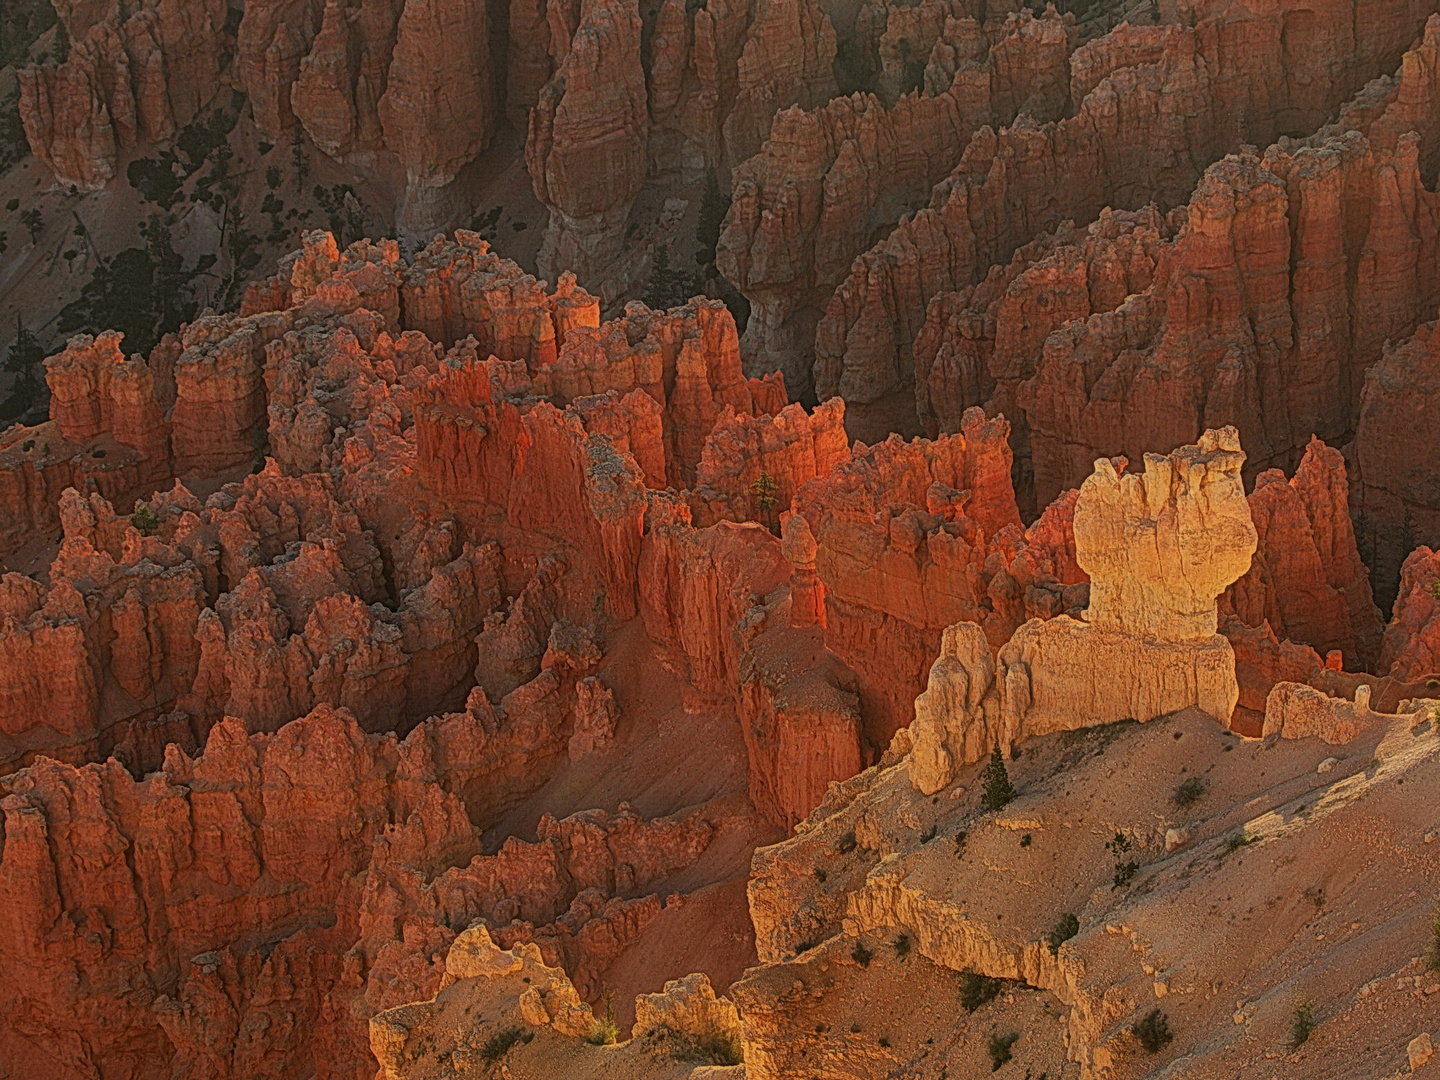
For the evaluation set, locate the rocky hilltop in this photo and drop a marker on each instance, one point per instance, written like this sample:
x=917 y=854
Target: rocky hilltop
x=983 y=616
x=473 y=566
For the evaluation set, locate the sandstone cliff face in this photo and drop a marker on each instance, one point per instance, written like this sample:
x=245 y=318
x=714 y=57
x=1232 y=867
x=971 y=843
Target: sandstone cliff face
x=1003 y=192
x=1392 y=483
x=316 y=860
x=1307 y=581
x=438 y=111
x=135 y=74
x=1410 y=639
x=586 y=147
x=787 y=61
x=980 y=345
x=341 y=81
x=914 y=537
x=1274 y=362
x=1159 y=549
x=826 y=179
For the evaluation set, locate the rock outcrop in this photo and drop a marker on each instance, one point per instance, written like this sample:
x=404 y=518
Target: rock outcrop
x=316 y=861
x=1393 y=484
x=911 y=538
x=438 y=110
x=1307 y=581
x=1159 y=549
x=1412 y=640
x=1007 y=188
x=136 y=74
x=586 y=147
x=826 y=179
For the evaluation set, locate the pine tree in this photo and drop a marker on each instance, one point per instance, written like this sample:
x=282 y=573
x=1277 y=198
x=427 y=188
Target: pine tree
x=22 y=360
x=998 y=789
x=763 y=489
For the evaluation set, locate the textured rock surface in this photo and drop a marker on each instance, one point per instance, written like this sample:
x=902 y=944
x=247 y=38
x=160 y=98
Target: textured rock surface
x=1306 y=580
x=586 y=147
x=136 y=73
x=438 y=111
x=310 y=856
x=1413 y=635
x=825 y=179
x=912 y=538
x=1159 y=549
x=1006 y=189
x=1394 y=484
x=970 y=890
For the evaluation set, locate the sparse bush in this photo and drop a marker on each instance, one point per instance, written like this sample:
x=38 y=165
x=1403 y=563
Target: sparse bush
x=902 y=946
x=1153 y=1031
x=144 y=520
x=499 y=1044
x=1190 y=792
x=1432 y=958
x=1302 y=1023
x=1235 y=841
x=1000 y=1048
x=762 y=492
x=667 y=287
x=34 y=222
x=846 y=843
x=861 y=955
x=1125 y=869
x=1063 y=930
x=22 y=360
x=714 y=205
x=997 y=787
x=604 y=1032
x=961 y=838
x=820 y=875
x=714 y=1049
x=977 y=989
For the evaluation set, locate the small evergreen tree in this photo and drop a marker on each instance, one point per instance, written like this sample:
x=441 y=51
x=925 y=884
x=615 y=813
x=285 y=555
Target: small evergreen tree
x=34 y=222
x=144 y=520
x=998 y=789
x=762 y=490
x=22 y=360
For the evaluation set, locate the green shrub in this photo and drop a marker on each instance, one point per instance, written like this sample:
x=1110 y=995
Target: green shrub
x=1302 y=1023
x=714 y=1049
x=1125 y=869
x=1153 y=1031
x=997 y=787
x=1000 y=1048
x=861 y=955
x=977 y=989
x=603 y=1032
x=1190 y=792
x=1235 y=841
x=846 y=843
x=902 y=946
x=1063 y=930
x=144 y=520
